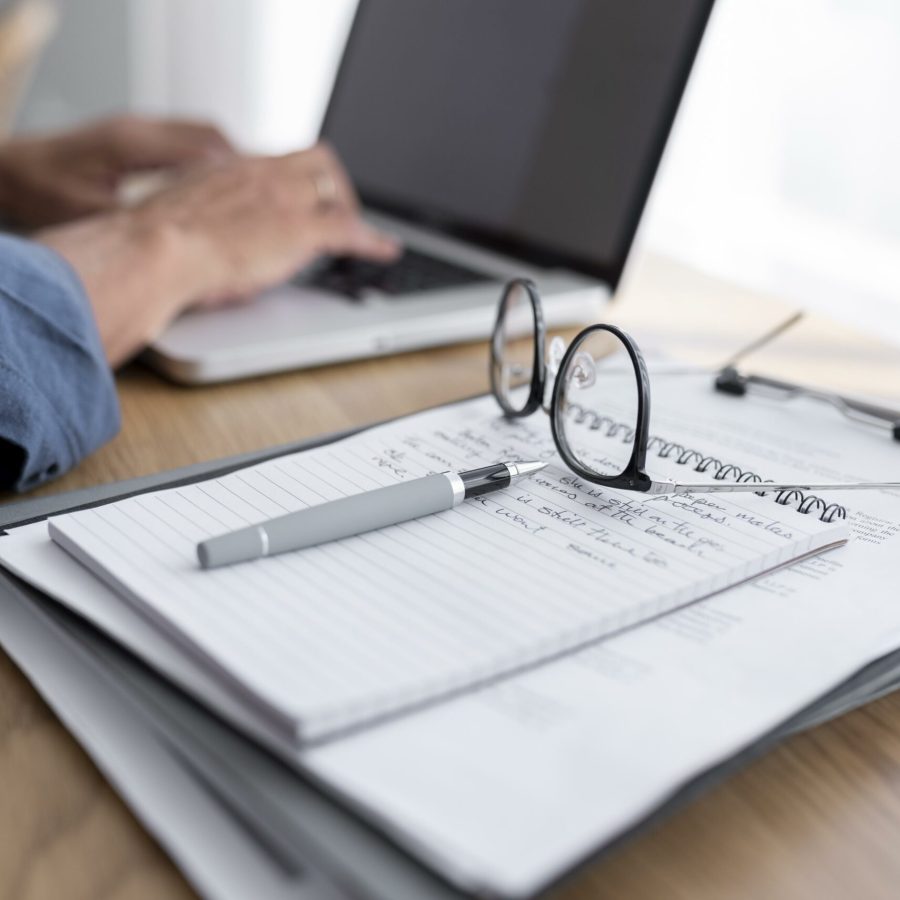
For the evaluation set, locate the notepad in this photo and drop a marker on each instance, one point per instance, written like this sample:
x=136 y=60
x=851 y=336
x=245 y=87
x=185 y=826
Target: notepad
x=338 y=635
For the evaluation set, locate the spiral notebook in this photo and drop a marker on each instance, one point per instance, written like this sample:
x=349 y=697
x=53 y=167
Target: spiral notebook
x=336 y=636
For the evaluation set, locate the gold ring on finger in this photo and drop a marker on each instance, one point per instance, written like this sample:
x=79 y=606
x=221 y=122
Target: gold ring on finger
x=325 y=188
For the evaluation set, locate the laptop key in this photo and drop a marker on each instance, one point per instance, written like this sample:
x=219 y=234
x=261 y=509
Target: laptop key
x=414 y=272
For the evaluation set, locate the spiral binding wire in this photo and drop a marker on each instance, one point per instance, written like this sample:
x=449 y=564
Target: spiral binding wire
x=684 y=456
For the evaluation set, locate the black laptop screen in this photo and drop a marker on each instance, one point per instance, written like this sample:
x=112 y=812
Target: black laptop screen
x=534 y=126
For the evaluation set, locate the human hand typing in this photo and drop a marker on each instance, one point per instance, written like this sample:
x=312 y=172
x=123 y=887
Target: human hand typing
x=253 y=223
x=226 y=231
x=51 y=179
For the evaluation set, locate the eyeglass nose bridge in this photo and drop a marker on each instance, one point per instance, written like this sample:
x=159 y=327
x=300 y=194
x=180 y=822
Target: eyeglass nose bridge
x=555 y=356
x=582 y=371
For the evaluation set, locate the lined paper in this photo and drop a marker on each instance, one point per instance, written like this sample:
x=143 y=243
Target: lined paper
x=333 y=636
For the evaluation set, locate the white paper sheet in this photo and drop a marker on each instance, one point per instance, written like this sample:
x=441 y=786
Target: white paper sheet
x=339 y=634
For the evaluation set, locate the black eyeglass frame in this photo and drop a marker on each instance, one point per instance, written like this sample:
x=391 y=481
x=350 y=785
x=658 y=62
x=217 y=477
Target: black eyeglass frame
x=633 y=477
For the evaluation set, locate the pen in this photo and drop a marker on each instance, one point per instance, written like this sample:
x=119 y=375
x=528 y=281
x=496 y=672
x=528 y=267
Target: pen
x=358 y=513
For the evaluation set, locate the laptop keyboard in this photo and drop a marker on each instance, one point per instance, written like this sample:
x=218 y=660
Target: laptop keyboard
x=412 y=273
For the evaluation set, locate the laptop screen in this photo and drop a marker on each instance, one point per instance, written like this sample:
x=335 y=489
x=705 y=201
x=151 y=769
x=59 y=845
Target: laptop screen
x=532 y=126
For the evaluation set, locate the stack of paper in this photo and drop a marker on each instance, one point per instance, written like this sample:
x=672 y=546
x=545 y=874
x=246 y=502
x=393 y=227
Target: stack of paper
x=505 y=786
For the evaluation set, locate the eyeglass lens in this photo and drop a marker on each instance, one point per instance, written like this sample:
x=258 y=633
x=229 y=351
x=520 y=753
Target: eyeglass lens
x=513 y=351
x=596 y=412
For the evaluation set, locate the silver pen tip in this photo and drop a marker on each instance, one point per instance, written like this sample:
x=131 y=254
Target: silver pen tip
x=524 y=467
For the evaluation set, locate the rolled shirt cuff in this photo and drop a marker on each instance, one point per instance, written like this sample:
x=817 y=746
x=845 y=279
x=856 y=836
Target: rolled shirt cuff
x=58 y=398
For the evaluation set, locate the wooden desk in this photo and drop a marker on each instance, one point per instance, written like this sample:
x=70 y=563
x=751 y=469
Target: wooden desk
x=818 y=817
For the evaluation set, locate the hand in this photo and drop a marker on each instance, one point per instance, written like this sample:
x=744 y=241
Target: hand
x=57 y=178
x=254 y=223
x=225 y=232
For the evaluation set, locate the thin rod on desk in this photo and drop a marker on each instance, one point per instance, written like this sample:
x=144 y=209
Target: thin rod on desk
x=792 y=320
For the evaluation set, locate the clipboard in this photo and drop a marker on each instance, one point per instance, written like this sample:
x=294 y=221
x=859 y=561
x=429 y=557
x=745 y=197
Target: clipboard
x=307 y=832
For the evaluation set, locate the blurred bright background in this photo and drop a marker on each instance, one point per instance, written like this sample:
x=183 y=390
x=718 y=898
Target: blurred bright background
x=783 y=172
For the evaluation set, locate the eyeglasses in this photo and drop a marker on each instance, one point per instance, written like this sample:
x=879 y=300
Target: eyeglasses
x=597 y=394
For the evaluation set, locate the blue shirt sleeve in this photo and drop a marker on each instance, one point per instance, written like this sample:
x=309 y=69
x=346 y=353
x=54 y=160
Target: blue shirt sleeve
x=57 y=395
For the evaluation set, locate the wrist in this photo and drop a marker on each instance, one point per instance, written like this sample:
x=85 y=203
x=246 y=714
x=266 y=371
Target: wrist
x=136 y=273
x=162 y=257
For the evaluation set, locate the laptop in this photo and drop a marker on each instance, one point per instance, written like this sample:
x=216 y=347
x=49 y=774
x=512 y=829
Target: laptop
x=497 y=140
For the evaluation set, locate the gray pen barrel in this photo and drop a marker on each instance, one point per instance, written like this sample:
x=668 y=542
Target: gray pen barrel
x=330 y=521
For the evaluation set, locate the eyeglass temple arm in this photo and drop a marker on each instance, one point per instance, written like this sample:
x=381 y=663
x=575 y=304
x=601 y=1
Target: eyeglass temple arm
x=671 y=487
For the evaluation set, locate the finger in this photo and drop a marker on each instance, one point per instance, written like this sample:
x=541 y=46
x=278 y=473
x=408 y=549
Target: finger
x=341 y=233
x=325 y=181
x=330 y=162
x=157 y=143
x=76 y=199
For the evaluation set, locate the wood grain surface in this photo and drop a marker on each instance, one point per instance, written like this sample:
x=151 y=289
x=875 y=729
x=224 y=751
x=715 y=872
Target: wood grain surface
x=817 y=817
